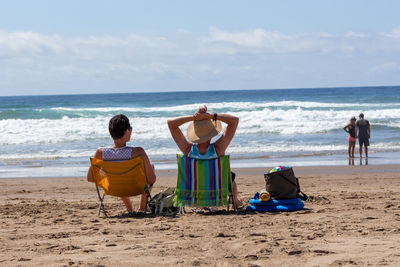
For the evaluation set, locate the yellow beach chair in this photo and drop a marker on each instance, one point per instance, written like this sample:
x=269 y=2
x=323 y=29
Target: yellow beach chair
x=203 y=182
x=120 y=179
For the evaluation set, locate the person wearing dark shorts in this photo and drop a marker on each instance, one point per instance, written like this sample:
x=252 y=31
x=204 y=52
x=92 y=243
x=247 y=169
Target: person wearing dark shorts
x=363 y=132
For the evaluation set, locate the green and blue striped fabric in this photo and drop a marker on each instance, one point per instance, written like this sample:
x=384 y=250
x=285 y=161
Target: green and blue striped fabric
x=202 y=182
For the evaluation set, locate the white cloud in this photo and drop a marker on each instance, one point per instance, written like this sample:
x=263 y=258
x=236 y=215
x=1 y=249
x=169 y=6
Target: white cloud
x=29 y=42
x=394 y=33
x=217 y=41
x=386 y=67
x=253 y=58
x=253 y=38
x=263 y=41
x=325 y=35
x=355 y=35
x=183 y=31
x=32 y=44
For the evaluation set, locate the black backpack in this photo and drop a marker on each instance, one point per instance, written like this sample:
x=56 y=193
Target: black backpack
x=283 y=184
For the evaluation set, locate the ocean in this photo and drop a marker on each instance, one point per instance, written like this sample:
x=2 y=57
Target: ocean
x=54 y=136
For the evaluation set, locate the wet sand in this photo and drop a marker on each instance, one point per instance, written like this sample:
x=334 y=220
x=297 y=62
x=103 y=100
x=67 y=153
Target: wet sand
x=351 y=219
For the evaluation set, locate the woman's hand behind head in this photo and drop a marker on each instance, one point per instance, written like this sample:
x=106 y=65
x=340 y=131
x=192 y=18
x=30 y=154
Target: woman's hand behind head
x=202 y=109
x=201 y=116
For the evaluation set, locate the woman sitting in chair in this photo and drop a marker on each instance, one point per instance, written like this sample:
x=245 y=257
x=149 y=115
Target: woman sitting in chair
x=121 y=130
x=205 y=126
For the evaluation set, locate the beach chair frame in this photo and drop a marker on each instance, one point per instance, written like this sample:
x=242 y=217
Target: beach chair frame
x=190 y=172
x=102 y=195
x=133 y=172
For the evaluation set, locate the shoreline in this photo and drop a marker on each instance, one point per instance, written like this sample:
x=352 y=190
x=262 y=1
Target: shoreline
x=302 y=170
x=80 y=170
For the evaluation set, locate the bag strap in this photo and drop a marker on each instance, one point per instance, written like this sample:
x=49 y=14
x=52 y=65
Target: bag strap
x=300 y=194
x=297 y=185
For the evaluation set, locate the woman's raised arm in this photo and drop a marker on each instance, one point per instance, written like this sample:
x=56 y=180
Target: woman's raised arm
x=177 y=135
x=232 y=122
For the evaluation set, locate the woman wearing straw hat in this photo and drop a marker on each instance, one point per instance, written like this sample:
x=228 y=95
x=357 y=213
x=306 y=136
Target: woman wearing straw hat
x=203 y=127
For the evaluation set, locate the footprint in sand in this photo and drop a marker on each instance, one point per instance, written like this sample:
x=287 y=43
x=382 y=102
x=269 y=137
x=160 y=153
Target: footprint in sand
x=251 y=257
x=225 y=235
x=71 y=247
x=230 y=256
x=193 y=236
x=257 y=234
x=198 y=262
x=265 y=251
x=164 y=228
x=318 y=200
x=323 y=252
x=293 y=250
x=24 y=259
x=51 y=247
x=24 y=191
x=343 y=262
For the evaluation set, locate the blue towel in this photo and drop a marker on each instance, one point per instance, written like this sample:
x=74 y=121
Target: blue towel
x=274 y=204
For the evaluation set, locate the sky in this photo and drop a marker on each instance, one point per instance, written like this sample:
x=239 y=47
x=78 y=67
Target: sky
x=76 y=47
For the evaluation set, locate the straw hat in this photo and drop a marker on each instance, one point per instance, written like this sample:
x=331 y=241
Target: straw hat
x=204 y=130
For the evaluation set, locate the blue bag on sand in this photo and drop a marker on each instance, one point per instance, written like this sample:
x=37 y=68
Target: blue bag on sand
x=274 y=204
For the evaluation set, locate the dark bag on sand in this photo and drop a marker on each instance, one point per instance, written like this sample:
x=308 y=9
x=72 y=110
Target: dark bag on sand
x=283 y=184
x=162 y=203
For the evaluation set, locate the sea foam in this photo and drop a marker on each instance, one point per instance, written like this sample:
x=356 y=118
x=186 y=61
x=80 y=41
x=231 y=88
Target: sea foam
x=265 y=121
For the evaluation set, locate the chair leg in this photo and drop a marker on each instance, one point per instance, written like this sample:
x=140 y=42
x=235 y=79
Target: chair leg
x=148 y=197
x=145 y=205
x=101 y=205
x=99 y=209
x=231 y=201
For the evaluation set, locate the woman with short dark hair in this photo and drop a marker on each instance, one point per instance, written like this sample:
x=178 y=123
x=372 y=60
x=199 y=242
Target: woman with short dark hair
x=120 y=131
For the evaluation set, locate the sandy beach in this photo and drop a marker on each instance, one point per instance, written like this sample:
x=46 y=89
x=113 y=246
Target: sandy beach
x=351 y=219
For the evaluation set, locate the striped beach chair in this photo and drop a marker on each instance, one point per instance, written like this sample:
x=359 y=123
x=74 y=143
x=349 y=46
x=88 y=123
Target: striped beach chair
x=203 y=183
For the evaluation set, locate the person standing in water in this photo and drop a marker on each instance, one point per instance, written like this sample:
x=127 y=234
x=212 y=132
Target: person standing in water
x=350 y=128
x=363 y=132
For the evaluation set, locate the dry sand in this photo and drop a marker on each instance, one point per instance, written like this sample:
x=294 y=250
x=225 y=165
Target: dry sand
x=352 y=218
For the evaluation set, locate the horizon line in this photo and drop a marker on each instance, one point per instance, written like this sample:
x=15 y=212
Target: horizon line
x=205 y=90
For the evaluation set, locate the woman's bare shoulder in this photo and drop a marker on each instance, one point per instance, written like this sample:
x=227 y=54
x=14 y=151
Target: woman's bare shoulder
x=99 y=153
x=219 y=150
x=138 y=151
